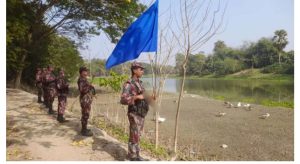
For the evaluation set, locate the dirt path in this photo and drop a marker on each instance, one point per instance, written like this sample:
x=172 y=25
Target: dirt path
x=32 y=134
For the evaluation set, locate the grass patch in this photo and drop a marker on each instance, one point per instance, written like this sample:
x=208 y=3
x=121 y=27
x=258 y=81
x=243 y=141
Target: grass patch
x=248 y=100
x=118 y=132
x=219 y=97
x=287 y=104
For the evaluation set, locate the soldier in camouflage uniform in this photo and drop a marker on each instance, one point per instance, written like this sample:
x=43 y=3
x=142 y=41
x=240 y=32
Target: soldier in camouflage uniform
x=50 y=81
x=86 y=90
x=44 y=87
x=133 y=96
x=38 y=84
x=62 y=92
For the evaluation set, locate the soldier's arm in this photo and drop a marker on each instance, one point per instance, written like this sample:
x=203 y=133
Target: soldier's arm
x=37 y=78
x=59 y=84
x=126 y=97
x=50 y=79
x=84 y=87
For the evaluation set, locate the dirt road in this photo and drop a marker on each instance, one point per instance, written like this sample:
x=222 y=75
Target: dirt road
x=32 y=134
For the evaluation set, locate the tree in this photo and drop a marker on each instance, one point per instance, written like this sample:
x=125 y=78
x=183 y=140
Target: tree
x=79 y=18
x=63 y=54
x=196 y=63
x=192 y=34
x=220 y=49
x=179 y=61
x=280 y=40
x=262 y=53
x=19 y=18
x=37 y=20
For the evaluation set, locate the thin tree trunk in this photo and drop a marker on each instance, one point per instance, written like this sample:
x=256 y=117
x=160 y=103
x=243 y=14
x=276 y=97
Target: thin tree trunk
x=19 y=73
x=279 y=58
x=178 y=106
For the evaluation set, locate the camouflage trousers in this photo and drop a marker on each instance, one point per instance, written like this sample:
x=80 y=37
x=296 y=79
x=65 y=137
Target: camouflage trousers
x=40 y=92
x=45 y=98
x=62 y=102
x=51 y=93
x=136 y=125
x=85 y=103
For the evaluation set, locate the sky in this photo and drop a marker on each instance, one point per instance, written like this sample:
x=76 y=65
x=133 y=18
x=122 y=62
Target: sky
x=245 y=21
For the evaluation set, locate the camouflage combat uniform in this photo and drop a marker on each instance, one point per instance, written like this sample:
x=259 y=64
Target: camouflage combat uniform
x=86 y=99
x=44 y=87
x=38 y=84
x=50 y=81
x=132 y=88
x=62 y=92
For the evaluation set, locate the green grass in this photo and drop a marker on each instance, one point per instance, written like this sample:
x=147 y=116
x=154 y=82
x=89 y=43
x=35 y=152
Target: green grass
x=244 y=74
x=219 y=97
x=118 y=132
x=256 y=74
x=271 y=103
x=248 y=100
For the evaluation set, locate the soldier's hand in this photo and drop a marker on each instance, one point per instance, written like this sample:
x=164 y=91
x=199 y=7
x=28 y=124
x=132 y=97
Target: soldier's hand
x=153 y=97
x=139 y=97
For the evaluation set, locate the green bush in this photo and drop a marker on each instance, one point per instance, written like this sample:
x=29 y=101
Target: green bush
x=287 y=104
x=284 y=68
x=115 y=81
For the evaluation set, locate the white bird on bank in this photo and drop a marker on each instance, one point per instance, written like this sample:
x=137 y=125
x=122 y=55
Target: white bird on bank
x=226 y=102
x=220 y=114
x=248 y=107
x=264 y=116
x=229 y=105
x=224 y=146
x=160 y=119
x=239 y=104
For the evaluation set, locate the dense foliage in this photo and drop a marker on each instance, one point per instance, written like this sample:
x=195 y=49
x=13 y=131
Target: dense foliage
x=266 y=54
x=42 y=32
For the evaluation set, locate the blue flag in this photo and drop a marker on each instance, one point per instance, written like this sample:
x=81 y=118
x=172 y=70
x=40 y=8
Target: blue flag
x=141 y=36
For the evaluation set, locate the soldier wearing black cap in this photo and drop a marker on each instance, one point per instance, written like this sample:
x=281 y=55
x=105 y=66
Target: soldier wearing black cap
x=50 y=81
x=133 y=96
x=38 y=84
x=86 y=90
x=62 y=92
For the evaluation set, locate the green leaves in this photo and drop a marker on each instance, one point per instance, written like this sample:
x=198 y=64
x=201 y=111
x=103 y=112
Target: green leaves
x=33 y=27
x=265 y=53
x=114 y=81
x=280 y=39
x=64 y=55
x=88 y=17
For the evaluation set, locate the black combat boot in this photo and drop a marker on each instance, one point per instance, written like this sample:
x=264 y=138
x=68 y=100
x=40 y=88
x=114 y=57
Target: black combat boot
x=139 y=158
x=50 y=110
x=40 y=100
x=45 y=103
x=61 y=119
x=86 y=132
